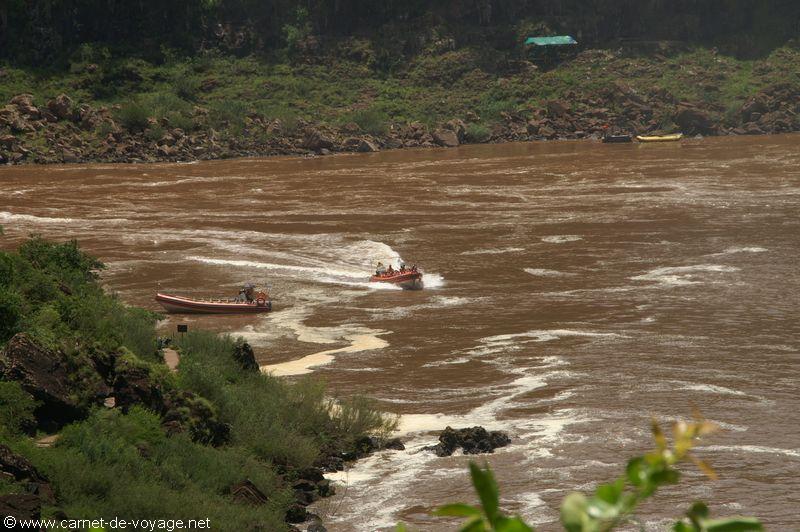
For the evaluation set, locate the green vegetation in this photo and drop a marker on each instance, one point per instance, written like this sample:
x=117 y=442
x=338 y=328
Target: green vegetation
x=613 y=504
x=226 y=93
x=141 y=459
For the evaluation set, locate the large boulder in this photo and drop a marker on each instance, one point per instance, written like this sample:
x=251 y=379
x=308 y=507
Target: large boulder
x=24 y=103
x=458 y=127
x=11 y=118
x=366 y=146
x=133 y=385
x=45 y=375
x=557 y=109
x=60 y=106
x=316 y=140
x=754 y=105
x=446 y=138
x=473 y=440
x=693 y=120
x=6 y=141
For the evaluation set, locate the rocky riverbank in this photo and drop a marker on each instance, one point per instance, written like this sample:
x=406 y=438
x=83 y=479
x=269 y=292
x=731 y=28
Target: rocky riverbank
x=61 y=132
x=443 y=104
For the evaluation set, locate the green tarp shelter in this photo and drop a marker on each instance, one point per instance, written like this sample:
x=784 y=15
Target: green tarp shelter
x=558 y=40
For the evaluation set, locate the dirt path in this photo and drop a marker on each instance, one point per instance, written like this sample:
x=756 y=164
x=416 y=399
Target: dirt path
x=47 y=441
x=171 y=359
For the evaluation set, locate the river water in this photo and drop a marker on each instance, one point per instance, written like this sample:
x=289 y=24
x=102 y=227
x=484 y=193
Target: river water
x=574 y=290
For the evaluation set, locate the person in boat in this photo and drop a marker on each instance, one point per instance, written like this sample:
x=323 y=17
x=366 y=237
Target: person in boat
x=414 y=268
x=402 y=267
x=390 y=270
x=241 y=298
x=249 y=292
x=380 y=270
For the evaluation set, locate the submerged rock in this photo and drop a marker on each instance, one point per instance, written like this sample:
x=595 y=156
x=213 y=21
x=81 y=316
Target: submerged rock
x=296 y=513
x=473 y=440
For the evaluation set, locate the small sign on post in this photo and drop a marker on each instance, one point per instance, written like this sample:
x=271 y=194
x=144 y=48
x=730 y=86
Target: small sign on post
x=183 y=328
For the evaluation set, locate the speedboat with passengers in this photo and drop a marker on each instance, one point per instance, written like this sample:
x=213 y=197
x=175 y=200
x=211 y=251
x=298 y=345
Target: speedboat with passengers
x=405 y=278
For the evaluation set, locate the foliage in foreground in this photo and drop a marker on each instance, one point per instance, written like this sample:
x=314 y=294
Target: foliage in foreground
x=613 y=504
x=115 y=463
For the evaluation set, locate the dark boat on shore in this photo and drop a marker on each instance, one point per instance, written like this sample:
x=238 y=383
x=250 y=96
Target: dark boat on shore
x=188 y=305
x=617 y=139
x=249 y=301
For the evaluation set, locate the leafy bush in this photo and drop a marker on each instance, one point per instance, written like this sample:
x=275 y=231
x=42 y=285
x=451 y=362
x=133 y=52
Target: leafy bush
x=477 y=133
x=371 y=120
x=154 y=133
x=124 y=465
x=186 y=87
x=227 y=113
x=298 y=416
x=181 y=120
x=613 y=504
x=133 y=116
x=16 y=409
x=10 y=314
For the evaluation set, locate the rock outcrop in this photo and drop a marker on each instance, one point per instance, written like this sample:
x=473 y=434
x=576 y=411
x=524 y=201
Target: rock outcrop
x=45 y=375
x=244 y=356
x=446 y=138
x=22 y=507
x=18 y=468
x=69 y=131
x=473 y=440
x=186 y=411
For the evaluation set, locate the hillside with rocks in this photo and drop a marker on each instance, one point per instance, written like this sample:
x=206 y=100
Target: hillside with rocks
x=430 y=104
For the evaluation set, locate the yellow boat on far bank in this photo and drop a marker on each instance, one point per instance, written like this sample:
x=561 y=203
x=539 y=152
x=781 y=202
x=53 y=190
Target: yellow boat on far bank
x=660 y=138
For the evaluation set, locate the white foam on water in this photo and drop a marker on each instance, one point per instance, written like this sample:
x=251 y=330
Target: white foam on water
x=447 y=362
x=6 y=216
x=304 y=365
x=745 y=249
x=436 y=302
x=432 y=281
x=792 y=453
x=383 y=484
x=682 y=275
x=541 y=272
x=533 y=508
x=710 y=388
x=492 y=251
x=281 y=267
x=377 y=507
x=561 y=239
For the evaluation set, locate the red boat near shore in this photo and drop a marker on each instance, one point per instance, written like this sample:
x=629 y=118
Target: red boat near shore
x=406 y=279
x=188 y=305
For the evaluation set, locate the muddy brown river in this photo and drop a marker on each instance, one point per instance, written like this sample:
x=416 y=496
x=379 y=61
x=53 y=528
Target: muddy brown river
x=573 y=290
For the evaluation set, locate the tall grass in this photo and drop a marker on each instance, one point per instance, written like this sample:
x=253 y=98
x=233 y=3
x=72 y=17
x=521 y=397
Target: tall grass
x=115 y=465
x=298 y=416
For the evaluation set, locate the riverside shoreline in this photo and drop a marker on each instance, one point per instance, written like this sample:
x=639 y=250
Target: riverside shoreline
x=596 y=93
